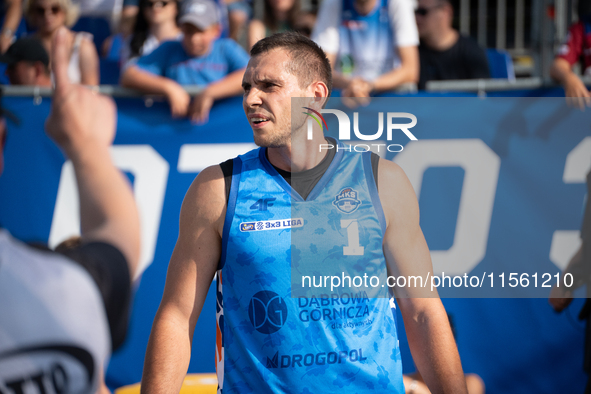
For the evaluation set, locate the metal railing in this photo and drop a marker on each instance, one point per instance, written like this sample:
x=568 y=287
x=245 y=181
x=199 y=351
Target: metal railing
x=109 y=90
x=469 y=85
x=490 y=85
x=548 y=22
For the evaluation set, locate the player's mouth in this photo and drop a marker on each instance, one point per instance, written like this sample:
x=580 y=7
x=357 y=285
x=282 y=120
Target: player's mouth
x=258 y=121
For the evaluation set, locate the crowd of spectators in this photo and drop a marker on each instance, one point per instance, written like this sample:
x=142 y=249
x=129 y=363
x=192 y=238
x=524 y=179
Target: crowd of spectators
x=200 y=58
x=373 y=45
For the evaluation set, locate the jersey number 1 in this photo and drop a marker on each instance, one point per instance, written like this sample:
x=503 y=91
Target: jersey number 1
x=353 y=248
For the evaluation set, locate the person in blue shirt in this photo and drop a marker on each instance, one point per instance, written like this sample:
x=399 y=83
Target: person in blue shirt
x=200 y=58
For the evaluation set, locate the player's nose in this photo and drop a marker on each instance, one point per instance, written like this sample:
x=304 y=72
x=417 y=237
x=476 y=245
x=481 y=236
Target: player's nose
x=252 y=97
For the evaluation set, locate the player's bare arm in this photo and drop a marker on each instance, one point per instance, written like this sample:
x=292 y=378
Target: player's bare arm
x=190 y=272
x=82 y=124
x=429 y=334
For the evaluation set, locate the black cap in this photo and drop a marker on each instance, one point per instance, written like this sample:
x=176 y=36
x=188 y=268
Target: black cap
x=28 y=49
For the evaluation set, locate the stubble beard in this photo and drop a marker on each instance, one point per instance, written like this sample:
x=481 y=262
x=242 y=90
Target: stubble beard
x=282 y=139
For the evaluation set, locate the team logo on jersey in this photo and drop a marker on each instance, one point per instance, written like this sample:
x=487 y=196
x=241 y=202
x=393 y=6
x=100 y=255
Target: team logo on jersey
x=246 y=226
x=267 y=312
x=264 y=225
x=346 y=201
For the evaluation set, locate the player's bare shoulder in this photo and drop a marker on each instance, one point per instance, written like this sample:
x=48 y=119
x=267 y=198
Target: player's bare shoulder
x=397 y=195
x=205 y=201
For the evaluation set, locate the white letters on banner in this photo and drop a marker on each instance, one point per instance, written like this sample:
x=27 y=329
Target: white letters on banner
x=481 y=166
x=150 y=171
x=480 y=163
x=565 y=243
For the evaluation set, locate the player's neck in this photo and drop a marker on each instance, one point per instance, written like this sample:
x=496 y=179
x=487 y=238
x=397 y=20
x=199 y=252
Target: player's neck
x=300 y=155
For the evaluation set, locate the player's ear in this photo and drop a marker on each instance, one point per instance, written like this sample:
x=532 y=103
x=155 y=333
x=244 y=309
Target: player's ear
x=319 y=93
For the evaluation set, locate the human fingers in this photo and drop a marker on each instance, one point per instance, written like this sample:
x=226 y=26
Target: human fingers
x=559 y=304
x=60 y=59
x=179 y=105
x=206 y=108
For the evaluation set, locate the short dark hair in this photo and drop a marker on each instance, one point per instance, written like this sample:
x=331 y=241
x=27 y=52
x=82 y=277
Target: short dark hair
x=308 y=60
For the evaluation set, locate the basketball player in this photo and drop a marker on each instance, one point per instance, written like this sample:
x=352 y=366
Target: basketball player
x=61 y=316
x=269 y=342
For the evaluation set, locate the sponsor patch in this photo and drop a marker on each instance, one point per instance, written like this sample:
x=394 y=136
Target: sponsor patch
x=346 y=201
x=271 y=224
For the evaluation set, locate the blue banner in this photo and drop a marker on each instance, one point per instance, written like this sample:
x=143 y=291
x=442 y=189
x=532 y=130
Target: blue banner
x=500 y=185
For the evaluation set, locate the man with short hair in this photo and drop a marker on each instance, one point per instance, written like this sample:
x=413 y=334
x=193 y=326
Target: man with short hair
x=201 y=58
x=371 y=44
x=444 y=52
x=62 y=315
x=236 y=221
x=27 y=63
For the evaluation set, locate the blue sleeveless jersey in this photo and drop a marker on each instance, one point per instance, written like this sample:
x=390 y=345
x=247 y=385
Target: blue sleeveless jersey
x=269 y=342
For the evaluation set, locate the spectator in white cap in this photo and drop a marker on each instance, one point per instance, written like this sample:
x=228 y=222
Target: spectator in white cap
x=201 y=58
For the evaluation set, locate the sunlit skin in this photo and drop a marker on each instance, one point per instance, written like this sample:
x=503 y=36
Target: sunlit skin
x=21 y=73
x=158 y=14
x=197 y=42
x=435 y=20
x=281 y=6
x=268 y=91
x=48 y=22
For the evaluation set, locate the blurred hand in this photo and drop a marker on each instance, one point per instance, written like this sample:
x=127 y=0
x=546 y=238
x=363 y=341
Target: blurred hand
x=576 y=93
x=357 y=93
x=560 y=298
x=200 y=107
x=358 y=87
x=5 y=42
x=80 y=118
x=178 y=98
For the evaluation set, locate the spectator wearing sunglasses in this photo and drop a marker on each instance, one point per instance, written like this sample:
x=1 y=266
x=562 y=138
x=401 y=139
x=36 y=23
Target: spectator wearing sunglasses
x=47 y=16
x=201 y=58
x=371 y=44
x=444 y=52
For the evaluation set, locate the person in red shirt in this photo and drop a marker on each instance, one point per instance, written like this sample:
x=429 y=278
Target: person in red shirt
x=577 y=45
